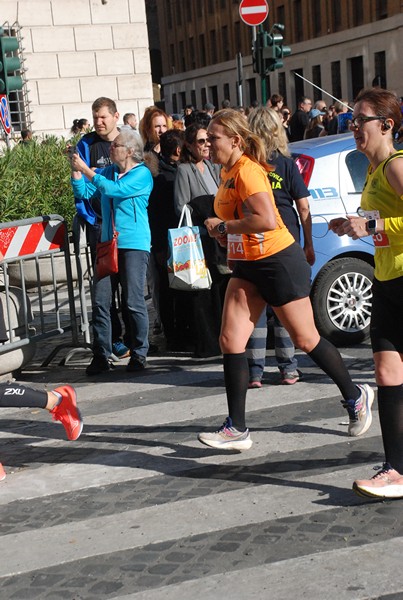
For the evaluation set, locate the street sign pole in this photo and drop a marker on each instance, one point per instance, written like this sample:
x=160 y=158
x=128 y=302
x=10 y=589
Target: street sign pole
x=240 y=78
x=263 y=87
x=254 y=13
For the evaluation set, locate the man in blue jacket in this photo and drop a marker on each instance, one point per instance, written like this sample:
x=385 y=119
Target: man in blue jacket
x=94 y=149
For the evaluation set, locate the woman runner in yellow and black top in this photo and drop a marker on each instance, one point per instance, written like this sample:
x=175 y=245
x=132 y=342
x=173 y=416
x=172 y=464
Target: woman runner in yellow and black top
x=268 y=268
x=376 y=119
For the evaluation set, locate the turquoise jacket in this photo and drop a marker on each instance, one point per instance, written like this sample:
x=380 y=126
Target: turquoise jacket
x=128 y=194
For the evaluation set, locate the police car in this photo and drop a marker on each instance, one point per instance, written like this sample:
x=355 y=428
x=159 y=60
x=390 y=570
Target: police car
x=334 y=172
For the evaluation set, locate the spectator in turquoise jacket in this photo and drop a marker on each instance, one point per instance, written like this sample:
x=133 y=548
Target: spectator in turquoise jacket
x=125 y=187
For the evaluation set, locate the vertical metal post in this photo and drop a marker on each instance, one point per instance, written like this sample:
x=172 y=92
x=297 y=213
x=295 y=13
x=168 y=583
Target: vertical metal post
x=240 y=78
x=262 y=73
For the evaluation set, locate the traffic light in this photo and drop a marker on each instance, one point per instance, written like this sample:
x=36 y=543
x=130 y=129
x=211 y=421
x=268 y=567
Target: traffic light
x=273 y=49
x=9 y=64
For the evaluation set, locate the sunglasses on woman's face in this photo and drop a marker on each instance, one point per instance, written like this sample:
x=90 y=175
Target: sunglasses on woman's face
x=201 y=141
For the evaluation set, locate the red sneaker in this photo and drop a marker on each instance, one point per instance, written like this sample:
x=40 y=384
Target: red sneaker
x=67 y=412
x=2 y=473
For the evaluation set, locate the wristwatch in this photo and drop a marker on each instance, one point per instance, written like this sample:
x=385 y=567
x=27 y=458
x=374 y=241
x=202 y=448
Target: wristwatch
x=222 y=228
x=370 y=226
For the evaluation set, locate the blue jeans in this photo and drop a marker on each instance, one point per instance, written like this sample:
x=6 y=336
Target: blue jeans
x=132 y=273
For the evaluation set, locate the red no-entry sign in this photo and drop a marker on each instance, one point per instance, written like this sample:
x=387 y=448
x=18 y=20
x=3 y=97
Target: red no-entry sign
x=253 y=12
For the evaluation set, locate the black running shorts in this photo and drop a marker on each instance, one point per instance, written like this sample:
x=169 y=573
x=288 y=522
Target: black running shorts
x=387 y=316
x=281 y=278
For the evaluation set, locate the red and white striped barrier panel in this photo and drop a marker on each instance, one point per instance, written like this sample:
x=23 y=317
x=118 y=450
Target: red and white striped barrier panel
x=23 y=240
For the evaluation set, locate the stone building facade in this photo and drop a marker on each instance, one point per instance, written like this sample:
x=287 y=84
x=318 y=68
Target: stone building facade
x=339 y=45
x=78 y=50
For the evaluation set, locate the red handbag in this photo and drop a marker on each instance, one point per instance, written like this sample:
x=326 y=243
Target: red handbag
x=106 y=262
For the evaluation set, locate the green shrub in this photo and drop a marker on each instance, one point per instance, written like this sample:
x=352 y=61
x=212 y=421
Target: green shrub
x=35 y=181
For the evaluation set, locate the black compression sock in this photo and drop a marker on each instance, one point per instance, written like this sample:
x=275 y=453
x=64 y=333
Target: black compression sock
x=390 y=406
x=328 y=358
x=236 y=375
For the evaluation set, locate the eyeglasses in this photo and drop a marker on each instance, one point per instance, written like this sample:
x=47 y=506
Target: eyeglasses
x=359 y=121
x=201 y=141
x=113 y=145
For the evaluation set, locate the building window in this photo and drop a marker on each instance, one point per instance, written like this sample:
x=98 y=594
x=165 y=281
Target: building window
x=203 y=97
x=381 y=9
x=211 y=7
x=188 y=8
x=172 y=57
x=183 y=99
x=213 y=46
x=182 y=56
x=237 y=35
x=226 y=92
x=199 y=8
x=202 y=48
x=298 y=32
x=193 y=100
x=281 y=15
x=174 y=103
x=169 y=14
x=380 y=70
x=317 y=80
x=356 y=65
x=299 y=85
x=225 y=43
x=336 y=79
x=358 y=14
x=213 y=93
x=223 y=4
x=282 y=88
x=336 y=15
x=316 y=18
x=192 y=53
x=178 y=14
x=251 y=83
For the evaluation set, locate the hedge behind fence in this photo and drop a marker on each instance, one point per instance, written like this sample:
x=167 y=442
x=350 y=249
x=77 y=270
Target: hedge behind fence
x=35 y=181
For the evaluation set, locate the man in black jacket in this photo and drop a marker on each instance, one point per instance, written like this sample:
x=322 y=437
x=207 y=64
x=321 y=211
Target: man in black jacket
x=300 y=119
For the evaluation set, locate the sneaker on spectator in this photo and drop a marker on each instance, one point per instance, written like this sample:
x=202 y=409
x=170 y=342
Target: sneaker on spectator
x=255 y=384
x=120 y=350
x=289 y=378
x=227 y=438
x=2 y=473
x=99 y=364
x=387 y=483
x=359 y=411
x=136 y=363
x=67 y=412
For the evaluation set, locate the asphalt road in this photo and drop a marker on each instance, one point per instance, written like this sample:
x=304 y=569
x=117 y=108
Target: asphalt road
x=138 y=509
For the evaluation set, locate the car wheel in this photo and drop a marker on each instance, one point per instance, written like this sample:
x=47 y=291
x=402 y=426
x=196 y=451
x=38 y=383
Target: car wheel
x=342 y=298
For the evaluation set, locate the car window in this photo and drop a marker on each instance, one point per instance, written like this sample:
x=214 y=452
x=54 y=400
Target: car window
x=357 y=165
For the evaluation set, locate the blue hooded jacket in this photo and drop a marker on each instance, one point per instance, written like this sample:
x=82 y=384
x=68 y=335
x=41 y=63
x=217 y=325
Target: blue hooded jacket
x=129 y=194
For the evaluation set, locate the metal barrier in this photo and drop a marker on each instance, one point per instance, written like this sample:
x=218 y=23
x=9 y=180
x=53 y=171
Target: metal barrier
x=37 y=262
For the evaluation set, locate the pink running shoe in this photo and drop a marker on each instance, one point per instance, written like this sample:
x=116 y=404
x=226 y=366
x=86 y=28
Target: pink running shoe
x=255 y=384
x=2 y=473
x=387 y=483
x=67 y=412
